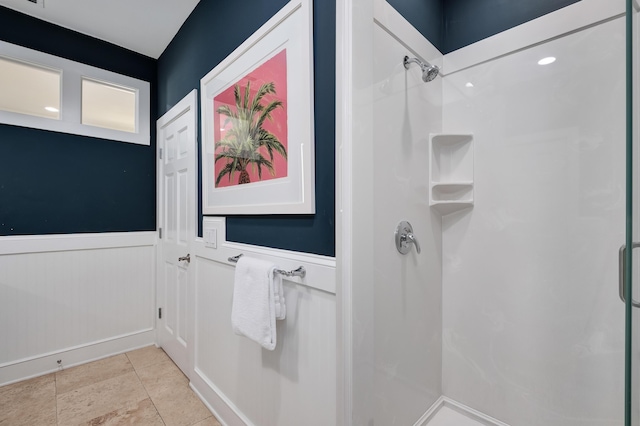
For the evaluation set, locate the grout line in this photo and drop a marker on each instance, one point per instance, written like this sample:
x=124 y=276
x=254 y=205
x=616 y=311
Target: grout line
x=152 y=402
x=92 y=383
x=147 y=392
x=55 y=382
x=149 y=365
x=211 y=415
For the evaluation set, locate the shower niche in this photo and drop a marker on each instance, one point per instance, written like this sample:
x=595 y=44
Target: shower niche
x=451 y=172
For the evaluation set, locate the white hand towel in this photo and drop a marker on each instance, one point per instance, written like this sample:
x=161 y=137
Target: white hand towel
x=278 y=298
x=257 y=301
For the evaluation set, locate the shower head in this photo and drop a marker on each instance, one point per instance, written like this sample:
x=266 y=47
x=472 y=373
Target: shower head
x=429 y=72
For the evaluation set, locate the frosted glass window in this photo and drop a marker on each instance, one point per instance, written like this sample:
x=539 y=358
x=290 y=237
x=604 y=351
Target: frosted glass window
x=29 y=89
x=108 y=105
x=42 y=91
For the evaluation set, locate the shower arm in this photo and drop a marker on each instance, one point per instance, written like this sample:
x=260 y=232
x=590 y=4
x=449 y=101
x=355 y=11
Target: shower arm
x=407 y=61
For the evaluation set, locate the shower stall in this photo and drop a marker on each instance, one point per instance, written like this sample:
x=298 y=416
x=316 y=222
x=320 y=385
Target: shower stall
x=514 y=161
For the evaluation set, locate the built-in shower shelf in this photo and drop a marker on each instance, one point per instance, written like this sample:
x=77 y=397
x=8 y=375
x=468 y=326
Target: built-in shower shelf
x=445 y=191
x=446 y=207
x=451 y=172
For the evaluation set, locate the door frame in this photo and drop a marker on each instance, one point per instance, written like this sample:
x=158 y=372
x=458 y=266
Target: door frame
x=187 y=104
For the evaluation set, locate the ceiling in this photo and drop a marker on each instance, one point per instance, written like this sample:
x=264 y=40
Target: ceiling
x=144 y=26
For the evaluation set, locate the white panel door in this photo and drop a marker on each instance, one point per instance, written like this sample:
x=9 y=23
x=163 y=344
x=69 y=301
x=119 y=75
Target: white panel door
x=176 y=215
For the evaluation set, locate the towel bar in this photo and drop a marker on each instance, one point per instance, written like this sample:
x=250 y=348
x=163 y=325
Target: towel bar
x=300 y=272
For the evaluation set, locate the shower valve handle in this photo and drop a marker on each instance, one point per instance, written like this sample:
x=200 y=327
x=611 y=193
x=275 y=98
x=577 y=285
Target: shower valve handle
x=411 y=239
x=405 y=238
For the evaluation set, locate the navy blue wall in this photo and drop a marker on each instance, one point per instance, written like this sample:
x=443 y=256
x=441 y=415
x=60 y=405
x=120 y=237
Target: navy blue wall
x=427 y=16
x=452 y=24
x=210 y=34
x=55 y=183
x=468 y=21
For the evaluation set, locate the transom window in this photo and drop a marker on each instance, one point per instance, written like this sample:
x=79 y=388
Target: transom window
x=109 y=106
x=29 y=89
x=46 y=92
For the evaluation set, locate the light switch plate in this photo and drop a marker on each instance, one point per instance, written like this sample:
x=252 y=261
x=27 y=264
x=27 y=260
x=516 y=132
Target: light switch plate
x=211 y=238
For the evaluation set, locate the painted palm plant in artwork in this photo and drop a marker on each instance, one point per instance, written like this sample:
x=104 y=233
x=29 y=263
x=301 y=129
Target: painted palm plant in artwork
x=245 y=142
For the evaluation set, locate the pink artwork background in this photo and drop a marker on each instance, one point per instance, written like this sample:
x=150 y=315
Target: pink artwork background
x=274 y=70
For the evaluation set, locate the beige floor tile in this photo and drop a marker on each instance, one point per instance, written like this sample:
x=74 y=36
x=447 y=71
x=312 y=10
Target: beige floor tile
x=161 y=377
x=179 y=406
x=143 y=387
x=143 y=413
x=211 y=421
x=94 y=372
x=147 y=356
x=169 y=390
x=32 y=402
x=84 y=404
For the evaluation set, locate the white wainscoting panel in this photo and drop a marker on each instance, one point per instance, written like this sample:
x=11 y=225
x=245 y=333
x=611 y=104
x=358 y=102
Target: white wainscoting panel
x=244 y=384
x=66 y=299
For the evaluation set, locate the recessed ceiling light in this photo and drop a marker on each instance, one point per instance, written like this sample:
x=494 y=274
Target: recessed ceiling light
x=469 y=84
x=52 y=109
x=546 y=61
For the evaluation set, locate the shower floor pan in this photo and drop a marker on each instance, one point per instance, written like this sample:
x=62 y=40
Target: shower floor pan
x=447 y=412
x=449 y=417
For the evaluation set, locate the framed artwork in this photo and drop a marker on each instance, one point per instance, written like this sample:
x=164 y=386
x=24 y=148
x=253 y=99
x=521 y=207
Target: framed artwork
x=257 y=122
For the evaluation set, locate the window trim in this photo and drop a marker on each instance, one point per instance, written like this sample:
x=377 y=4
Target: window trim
x=70 y=120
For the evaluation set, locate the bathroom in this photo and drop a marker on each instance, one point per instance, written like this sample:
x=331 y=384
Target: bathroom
x=510 y=172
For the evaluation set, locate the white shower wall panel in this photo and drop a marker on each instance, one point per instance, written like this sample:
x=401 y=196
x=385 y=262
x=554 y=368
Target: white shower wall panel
x=532 y=323
x=407 y=288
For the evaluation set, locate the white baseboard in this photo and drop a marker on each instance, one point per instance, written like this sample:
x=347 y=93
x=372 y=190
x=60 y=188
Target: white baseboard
x=469 y=412
x=45 y=364
x=225 y=411
x=209 y=406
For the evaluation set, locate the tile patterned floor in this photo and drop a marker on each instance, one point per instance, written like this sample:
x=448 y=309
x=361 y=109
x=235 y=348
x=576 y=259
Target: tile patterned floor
x=142 y=387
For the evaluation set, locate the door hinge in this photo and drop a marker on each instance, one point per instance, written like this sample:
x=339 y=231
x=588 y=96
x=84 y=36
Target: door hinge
x=160 y=233
x=160 y=151
x=159 y=313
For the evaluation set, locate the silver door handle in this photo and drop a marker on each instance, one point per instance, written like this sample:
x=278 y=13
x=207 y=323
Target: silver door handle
x=186 y=258
x=622 y=263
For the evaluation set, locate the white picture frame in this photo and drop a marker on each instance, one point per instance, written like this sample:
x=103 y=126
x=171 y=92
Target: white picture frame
x=273 y=188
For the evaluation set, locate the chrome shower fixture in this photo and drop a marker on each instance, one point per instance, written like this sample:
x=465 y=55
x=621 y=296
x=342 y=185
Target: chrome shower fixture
x=429 y=72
